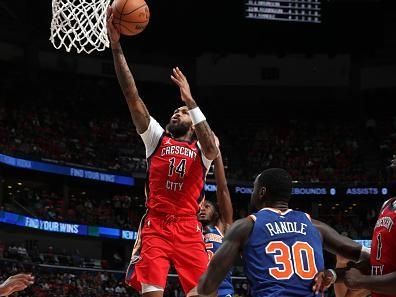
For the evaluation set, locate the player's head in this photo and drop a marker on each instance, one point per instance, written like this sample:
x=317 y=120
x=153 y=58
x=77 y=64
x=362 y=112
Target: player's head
x=209 y=213
x=271 y=186
x=180 y=123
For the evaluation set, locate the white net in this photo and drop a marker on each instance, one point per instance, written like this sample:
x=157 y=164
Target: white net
x=79 y=24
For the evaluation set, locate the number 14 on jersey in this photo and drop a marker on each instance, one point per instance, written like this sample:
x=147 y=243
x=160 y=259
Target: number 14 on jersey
x=179 y=169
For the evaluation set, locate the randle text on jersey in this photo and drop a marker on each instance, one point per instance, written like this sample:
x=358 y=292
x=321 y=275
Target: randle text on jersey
x=276 y=228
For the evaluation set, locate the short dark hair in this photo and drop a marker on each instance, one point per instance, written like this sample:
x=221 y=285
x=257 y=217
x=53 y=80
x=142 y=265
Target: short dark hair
x=214 y=204
x=278 y=183
x=215 y=207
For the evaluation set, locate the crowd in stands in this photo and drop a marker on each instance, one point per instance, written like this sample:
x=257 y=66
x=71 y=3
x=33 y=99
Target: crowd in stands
x=51 y=282
x=109 y=144
x=35 y=253
x=121 y=211
x=328 y=150
x=61 y=281
x=314 y=151
x=355 y=224
x=354 y=219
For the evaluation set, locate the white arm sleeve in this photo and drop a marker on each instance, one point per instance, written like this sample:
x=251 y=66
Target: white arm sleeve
x=205 y=160
x=152 y=136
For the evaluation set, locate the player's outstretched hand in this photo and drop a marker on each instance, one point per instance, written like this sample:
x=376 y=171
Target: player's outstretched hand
x=16 y=283
x=323 y=280
x=181 y=81
x=112 y=31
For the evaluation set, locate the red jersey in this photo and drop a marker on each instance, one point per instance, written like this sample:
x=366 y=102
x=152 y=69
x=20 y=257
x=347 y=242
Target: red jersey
x=176 y=177
x=383 y=256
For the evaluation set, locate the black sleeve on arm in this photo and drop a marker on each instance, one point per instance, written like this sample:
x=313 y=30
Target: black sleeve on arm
x=338 y=244
x=223 y=260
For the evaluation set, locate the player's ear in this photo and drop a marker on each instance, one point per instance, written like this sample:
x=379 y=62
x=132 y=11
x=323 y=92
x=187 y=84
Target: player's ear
x=263 y=191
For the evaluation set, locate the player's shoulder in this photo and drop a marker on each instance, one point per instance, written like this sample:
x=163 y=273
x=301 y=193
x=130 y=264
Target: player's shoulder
x=244 y=222
x=273 y=214
x=322 y=227
x=167 y=138
x=303 y=215
x=391 y=203
x=241 y=229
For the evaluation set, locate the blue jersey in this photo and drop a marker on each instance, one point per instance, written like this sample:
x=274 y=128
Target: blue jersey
x=213 y=241
x=283 y=254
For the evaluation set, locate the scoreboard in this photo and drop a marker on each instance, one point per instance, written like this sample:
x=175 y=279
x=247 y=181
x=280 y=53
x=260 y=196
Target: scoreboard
x=303 y=11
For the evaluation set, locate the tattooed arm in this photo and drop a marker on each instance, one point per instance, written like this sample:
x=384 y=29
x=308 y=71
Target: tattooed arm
x=138 y=110
x=204 y=133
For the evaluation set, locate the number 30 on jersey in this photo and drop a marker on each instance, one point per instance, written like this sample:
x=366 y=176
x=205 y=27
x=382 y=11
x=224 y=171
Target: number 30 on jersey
x=298 y=259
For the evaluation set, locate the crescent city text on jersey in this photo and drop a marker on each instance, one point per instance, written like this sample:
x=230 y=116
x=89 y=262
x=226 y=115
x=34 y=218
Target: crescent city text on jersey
x=385 y=222
x=178 y=150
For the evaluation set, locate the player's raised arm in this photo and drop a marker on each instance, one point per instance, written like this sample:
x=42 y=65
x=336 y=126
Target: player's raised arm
x=223 y=260
x=138 y=110
x=223 y=194
x=202 y=129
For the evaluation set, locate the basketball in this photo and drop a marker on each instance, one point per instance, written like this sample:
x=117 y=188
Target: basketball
x=130 y=16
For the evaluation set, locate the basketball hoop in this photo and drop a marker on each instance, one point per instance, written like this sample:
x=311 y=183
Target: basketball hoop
x=79 y=24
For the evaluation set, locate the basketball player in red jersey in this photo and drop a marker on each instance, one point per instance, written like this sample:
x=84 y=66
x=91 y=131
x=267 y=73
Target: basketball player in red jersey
x=382 y=281
x=177 y=166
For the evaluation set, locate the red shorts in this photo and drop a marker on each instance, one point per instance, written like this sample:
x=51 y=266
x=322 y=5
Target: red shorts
x=169 y=239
